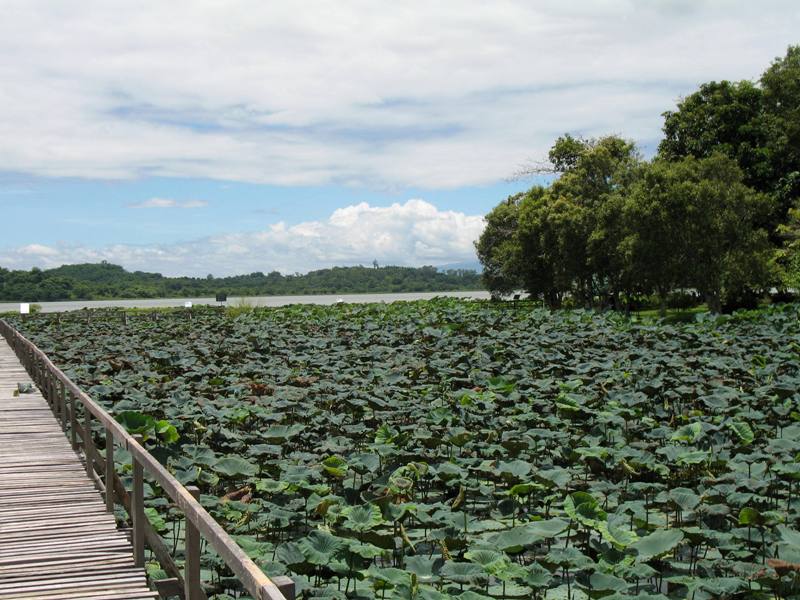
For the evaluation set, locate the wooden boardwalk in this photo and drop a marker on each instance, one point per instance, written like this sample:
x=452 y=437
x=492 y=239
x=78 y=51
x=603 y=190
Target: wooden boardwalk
x=57 y=541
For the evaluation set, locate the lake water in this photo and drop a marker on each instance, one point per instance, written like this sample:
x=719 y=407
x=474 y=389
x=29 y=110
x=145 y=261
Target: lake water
x=252 y=300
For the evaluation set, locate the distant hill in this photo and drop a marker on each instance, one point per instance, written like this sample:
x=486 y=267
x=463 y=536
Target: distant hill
x=472 y=265
x=100 y=281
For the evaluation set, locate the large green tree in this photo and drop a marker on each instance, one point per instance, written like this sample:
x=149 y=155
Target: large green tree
x=544 y=239
x=757 y=125
x=693 y=223
x=781 y=85
x=498 y=247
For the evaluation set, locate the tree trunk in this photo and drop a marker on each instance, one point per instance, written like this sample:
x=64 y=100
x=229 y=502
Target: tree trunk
x=714 y=302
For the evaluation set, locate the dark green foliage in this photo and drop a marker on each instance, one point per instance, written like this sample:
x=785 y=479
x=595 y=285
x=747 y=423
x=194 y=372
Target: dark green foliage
x=498 y=249
x=458 y=450
x=693 y=224
x=715 y=212
x=103 y=281
x=757 y=125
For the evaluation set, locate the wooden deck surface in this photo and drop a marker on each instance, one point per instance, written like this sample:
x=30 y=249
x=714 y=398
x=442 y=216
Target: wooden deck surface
x=57 y=541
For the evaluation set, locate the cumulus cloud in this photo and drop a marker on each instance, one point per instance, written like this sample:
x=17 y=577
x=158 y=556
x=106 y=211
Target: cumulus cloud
x=169 y=203
x=37 y=250
x=413 y=233
x=428 y=94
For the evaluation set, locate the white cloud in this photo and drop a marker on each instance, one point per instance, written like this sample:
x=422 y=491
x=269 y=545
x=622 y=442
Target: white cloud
x=37 y=250
x=437 y=94
x=414 y=233
x=169 y=203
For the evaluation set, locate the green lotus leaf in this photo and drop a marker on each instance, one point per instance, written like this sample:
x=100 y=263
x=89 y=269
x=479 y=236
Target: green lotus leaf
x=271 y=486
x=290 y=553
x=364 y=550
x=319 y=548
x=584 y=508
x=389 y=576
x=158 y=523
x=546 y=529
x=685 y=498
x=278 y=433
x=690 y=433
x=657 y=543
x=462 y=572
x=743 y=432
x=231 y=466
x=491 y=560
x=618 y=537
x=514 y=469
x=563 y=592
x=426 y=569
x=537 y=576
x=569 y=557
x=135 y=422
x=750 y=516
x=604 y=581
x=166 y=431
x=789 y=536
x=362 y=518
x=386 y=435
x=201 y=455
x=523 y=489
x=335 y=466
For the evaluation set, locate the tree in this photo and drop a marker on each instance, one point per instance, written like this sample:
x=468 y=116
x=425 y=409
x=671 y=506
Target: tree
x=692 y=223
x=781 y=98
x=722 y=117
x=654 y=246
x=788 y=257
x=538 y=259
x=574 y=221
x=757 y=125
x=498 y=247
x=545 y=239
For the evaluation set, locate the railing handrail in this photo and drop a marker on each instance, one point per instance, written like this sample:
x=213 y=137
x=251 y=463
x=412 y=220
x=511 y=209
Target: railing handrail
x=252 y=578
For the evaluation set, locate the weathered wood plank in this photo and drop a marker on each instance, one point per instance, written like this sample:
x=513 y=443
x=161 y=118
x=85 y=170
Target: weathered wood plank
x=57 y=539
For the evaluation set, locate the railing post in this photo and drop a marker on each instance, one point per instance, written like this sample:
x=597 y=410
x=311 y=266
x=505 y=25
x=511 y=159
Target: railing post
x=109 y=471
x=191 y=577
x=51 y=390
x=285 y=585
x=137 y=508
x=73 y=421
x=63 y=401
x=88 y=443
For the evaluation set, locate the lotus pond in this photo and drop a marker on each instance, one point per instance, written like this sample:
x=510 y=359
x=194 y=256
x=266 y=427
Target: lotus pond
x=450 y=449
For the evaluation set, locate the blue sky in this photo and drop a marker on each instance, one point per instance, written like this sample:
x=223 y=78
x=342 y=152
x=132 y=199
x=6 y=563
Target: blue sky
x=107 y=212
x=192 y=137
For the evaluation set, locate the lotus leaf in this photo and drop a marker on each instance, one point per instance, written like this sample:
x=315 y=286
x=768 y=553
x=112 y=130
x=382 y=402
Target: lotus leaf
x=657 y=543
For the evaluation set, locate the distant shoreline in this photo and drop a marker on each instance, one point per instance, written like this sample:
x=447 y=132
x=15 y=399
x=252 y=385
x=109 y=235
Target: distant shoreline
x=273 y=301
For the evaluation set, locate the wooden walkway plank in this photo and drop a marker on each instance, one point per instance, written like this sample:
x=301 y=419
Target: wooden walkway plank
x=57 y=540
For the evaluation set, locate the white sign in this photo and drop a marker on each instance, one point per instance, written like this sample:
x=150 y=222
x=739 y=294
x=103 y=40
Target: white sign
x=187 y=304
x=24 y=308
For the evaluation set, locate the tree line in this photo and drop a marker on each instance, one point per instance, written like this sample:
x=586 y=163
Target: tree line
x=714 y=213
x=104 y=281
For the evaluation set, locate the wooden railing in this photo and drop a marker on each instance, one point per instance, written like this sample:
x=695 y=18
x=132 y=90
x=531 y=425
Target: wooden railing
x=71 y=405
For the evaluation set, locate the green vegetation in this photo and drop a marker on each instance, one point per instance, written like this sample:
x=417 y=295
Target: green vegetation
x=715 y=212
x=106 y=281
x=466 y=450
